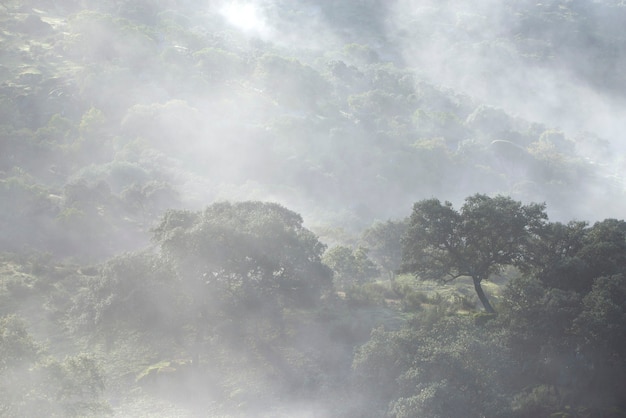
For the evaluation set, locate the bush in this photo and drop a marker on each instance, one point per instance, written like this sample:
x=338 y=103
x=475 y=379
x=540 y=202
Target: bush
x=366 y=295
x=410 y=298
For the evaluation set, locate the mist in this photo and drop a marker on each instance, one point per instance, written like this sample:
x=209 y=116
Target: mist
x=487 y=55
x=205 y=207
x=489 y=52
x=224 y=122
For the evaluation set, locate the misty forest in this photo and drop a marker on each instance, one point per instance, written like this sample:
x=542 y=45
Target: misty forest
x=313 y=209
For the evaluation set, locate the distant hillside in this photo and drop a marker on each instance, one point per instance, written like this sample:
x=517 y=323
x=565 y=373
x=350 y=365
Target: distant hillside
x=348 y=113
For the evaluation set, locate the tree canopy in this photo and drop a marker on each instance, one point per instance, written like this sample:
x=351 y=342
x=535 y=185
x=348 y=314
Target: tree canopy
x=244 y=250
x=350 y=266
x=384 y=242
x=241 y=263
x=477 y=241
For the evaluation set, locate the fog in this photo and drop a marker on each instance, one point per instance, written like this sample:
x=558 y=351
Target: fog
x=483 y=52
x=469 y=49
x=182 y=182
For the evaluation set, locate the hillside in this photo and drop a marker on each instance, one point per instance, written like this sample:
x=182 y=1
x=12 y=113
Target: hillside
x=214 y=196
x=149 y=106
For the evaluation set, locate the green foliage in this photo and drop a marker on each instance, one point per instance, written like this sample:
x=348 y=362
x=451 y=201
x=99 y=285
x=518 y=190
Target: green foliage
x=366 y=294
x=411 y=298
x=133 y=288
x=93 y=123
x=115 y=111
x=547 y=332
x=486 y=235
x=79 y=382
x=94 y=144
x=427 y=372
x=384 y=242
x=350 y=267
x=236 y=267
x=600 y=326
x=382 y=359
x=34 y=385
x=244 y=248
x=571 y=256
x=536 y=358
x=59 y=130
x=603 y=314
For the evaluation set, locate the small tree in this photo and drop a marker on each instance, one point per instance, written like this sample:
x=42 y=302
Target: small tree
x=477 y=241
x=384 y=241
x=350 y=266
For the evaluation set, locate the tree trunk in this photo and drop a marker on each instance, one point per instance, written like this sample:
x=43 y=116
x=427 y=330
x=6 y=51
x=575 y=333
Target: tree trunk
x=481 y=295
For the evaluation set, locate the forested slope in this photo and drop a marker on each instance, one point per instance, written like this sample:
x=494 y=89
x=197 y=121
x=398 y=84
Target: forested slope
x=205 y=206
x=113 y=112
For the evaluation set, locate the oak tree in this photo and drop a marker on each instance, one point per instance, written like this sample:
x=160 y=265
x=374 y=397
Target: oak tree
x=238 y=263
x=487 y=234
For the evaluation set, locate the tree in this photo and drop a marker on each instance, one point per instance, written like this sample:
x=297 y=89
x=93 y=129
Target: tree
x=450 y=368
x=384 y=241
x=242 y=262
x=605 y=248
x=556 y=260
x=350 y=266
x=132 y=288
x=601 y=326
x=477 y=241
x=245 y=248
x=572 y=256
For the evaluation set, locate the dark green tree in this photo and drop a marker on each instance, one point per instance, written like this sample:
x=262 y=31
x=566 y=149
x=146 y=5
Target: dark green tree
x=477 y=241
x=601 y=326
x=555 y=256
x=449 y=368
x=571 y=256
x=605 y=248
